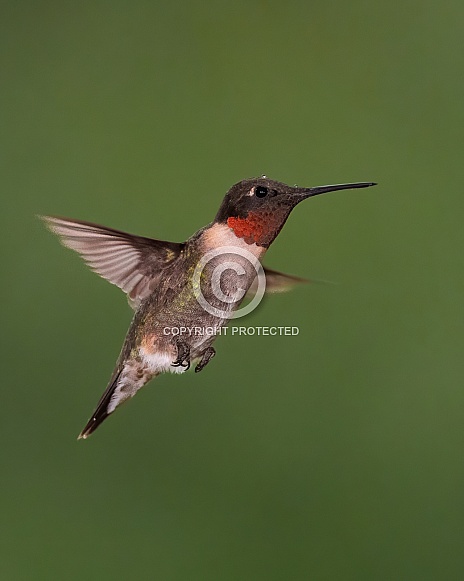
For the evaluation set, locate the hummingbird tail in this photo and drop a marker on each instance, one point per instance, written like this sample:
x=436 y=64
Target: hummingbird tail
x=122 y=386
x=101 y=412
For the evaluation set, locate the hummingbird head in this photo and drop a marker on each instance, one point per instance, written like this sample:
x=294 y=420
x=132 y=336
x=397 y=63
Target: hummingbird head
x=257 y=208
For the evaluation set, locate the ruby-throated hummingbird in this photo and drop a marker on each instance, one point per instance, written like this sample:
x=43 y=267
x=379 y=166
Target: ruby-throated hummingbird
x=164 y=283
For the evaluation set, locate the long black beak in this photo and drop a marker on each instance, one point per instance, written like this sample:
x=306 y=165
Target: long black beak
x=308 y=192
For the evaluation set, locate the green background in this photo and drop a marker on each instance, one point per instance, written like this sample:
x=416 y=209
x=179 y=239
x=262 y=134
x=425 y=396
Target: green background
x=336 y=454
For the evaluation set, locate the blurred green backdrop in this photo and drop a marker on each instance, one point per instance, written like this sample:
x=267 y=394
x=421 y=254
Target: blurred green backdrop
x=336 y=454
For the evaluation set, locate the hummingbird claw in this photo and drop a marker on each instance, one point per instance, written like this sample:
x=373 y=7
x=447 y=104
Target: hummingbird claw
x=183 y=356
x=206 y=358
x=185 y=363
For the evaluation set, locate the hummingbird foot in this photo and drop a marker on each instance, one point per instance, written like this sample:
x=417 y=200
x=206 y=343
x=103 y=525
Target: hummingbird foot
x=183 y=356
x=206 y=358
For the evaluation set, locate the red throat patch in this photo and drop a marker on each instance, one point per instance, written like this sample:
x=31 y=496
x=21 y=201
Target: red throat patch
x=255 y=228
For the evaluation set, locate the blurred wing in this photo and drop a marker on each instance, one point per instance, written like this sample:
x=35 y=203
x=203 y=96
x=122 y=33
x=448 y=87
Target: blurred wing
x=277 y=282
x=133 y=263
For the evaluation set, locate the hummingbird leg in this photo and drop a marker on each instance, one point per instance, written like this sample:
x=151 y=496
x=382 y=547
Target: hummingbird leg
x=206 y=358
x=183 y=356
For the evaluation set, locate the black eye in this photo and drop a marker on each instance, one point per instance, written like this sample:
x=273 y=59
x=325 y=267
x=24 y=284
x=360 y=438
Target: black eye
x=260 y=191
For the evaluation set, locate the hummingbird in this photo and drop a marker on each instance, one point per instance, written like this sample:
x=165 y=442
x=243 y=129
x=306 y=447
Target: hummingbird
x=163 y=282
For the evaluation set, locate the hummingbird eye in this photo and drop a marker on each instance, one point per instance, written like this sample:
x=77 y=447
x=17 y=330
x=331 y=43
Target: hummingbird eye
x=261 y=191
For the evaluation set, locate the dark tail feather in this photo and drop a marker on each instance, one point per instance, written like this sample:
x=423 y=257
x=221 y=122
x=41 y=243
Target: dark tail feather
x=100 y=414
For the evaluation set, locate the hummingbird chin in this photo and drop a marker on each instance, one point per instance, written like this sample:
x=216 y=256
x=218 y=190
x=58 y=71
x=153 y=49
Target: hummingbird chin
x=162 y=282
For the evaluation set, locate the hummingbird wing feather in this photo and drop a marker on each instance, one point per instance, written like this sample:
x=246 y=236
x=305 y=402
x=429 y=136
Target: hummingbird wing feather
x=277 y=282
x=133 y=263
